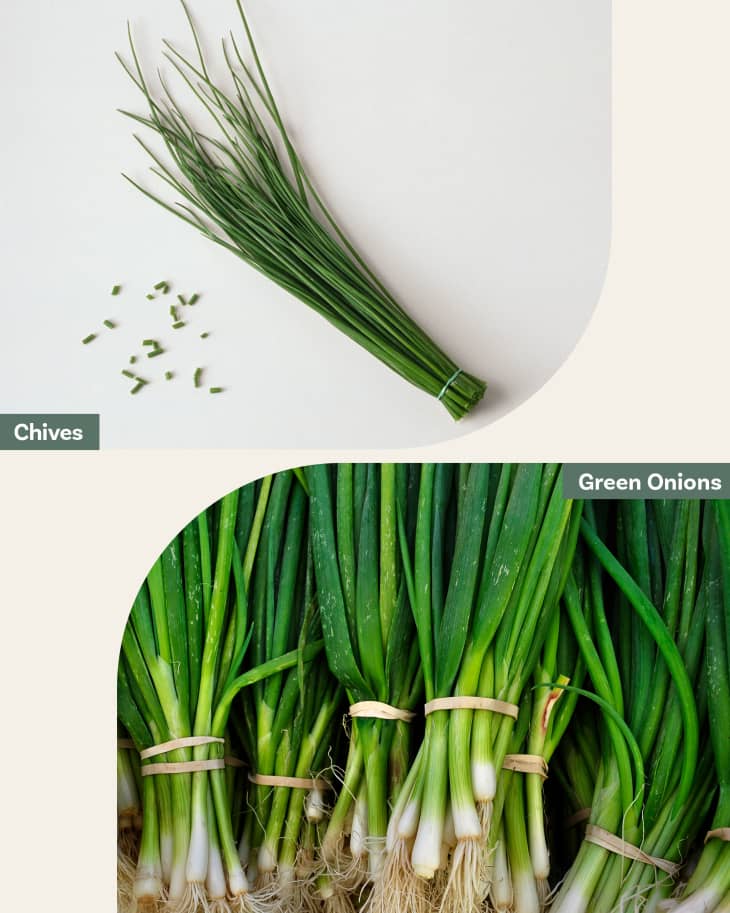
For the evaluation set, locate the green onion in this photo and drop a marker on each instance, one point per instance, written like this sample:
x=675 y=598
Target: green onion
x=193 y=298
x=128 y=374
x=262 y=206
x=116 y=289
x=197 y=375
x=87 y=339
x=110 y=324
x=178 y=324
x=215 y=390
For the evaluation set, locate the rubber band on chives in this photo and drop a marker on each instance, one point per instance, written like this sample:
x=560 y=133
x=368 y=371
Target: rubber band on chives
x=448 y=383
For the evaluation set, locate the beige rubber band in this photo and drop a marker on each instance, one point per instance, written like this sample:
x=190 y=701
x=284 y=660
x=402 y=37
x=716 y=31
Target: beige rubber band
x=582 y=814
x=615 y=844
x=526 y=764
x=292 y=782
x=191 y=741
x=233 y=762
x=377 y=710
x=181 y=767
x=462 y=702
x=126 y=743
x=718 y=833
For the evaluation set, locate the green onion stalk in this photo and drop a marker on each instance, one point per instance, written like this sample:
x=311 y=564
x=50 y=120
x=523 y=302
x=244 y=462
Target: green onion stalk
x=574 y=770
x=245 y=187
x=636 y=618
x=370 y=644
x=180 y=669
x=129 y=819
x=288 y=719
x=479 y=620
x=522 y=865
x=708 y=888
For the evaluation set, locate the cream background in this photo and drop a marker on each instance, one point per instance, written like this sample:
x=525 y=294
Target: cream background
x=648 y=381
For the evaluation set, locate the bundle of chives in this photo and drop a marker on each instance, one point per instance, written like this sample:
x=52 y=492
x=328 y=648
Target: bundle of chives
x=179 y=671
x=645 y=680
x=243 y=194
x=708 y=889
x=368 y=633
x=287 y=719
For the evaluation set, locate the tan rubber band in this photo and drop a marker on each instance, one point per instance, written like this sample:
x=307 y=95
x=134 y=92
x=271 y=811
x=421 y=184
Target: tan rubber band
x=233 y=762
x=718 y=833
x=292 y=782
x=615 y=844
x=526 y=764
x=462 y=702
x=377 y=710
x=191 y=741
x=582 y=814
x=181 y=767
x=126 y=743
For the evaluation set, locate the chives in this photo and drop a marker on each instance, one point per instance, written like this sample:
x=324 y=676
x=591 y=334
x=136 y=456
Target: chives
x=128 y=374
x=204 y=335
x=181 y=299
x=110 y=324
x=116 y=289
x=87 y=339
x=193 y=298
x=178 y=324
x=169 y=375
x=197 y=375
x=262 y=206
x=215 y=390
x=150 y=297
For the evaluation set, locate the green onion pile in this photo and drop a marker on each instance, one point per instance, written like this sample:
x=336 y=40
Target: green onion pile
x=245 y=187
x=429 y=687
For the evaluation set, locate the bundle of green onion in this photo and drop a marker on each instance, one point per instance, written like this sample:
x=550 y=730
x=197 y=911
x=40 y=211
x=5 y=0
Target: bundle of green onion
x=537 y=692
x=245 y=188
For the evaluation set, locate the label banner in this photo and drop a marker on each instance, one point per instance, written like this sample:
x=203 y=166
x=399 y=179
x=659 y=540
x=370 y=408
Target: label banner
x=635 y=481
x=49 y=431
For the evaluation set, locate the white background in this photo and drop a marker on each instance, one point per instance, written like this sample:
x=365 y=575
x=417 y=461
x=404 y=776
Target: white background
x=464 y=145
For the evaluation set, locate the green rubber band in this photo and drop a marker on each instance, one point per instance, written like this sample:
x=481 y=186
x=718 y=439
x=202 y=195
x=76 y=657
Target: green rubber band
x=448 y=383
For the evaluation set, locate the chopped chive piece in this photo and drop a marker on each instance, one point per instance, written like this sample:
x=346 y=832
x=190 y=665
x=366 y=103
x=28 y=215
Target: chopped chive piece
x=110 y=324
x=132 y=359
x=128 y=374
x=204 y=335
x=150 y=342
x=155 y=353
x=215 y=390
x=150 y=297
x=178 y=324
x=193 y=298
x=181 y=299
x=196 y=376
x=161 y=285
x=138 y=386
x=173 y=312
x=116 y=289
x=87 y=339
x=140 y=380
x=169 y=375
